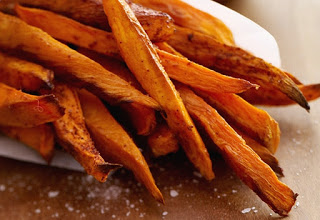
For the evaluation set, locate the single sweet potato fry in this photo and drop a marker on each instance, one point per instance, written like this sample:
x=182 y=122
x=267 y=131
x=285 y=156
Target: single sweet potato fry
x=234 y=61
x=142 y=59
x=253 y=121
x=114 y=143
x=20 y=109
x=74 y=137
x=40 y=138
x=162 y=141
x=273 y=97
x=68 y=64
x=186 y=15
x=197 y=76
x=177 y=67
x=25 y=75
x=158 y=25
x=241 y=158
x=142 y=118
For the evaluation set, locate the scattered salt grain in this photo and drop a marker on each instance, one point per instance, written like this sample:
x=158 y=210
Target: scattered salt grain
x=246 y=210
x=37 y=211
x=255 y=211
x=215 y=189
x=53 y=194
x=253 y=208
x=173 y=193
x=234 y=191
x=2 y=188
x=195 y=181
x=164 y=213
x=197 y=174
x=224 y=195
x=113 y=216
x=128 y=213
x=296 y=205
x=132 y=206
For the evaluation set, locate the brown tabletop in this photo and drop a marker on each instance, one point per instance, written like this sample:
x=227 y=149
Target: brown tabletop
x=29 y=191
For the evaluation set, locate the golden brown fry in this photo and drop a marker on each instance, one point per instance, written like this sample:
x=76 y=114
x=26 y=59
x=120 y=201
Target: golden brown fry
x=74 y=137
x=68 y=64
x=114 y=143
x=186 y=15
x=25 y=75
x=234 y=61
x=162 y=141
x=242 y=159
x=20 y=109
x=142 y=118
x=199 y=77
x=270 y=96
x=263 y=153
x=158 y=25
x=40 y=138
x=141 y=58
x=178 y=68
x=255 y=122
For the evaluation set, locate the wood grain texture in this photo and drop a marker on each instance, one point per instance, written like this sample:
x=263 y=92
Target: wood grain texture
x=27 y=191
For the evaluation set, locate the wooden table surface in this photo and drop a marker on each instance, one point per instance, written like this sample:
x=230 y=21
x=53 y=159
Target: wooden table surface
x=29 y=191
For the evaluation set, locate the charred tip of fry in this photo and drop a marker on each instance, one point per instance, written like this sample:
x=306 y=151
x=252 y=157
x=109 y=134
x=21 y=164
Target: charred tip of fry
x=106 y=168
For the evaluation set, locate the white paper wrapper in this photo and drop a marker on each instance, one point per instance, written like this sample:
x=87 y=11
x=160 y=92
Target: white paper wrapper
x=247 y=34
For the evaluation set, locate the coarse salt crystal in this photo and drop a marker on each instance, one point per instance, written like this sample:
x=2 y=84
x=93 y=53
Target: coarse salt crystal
x=37 y=211
x=53 y=194
x=246 y=210
x=234 y=191
x=2 y=188
x=173 y=193
x=165 y=213
x=197 y=174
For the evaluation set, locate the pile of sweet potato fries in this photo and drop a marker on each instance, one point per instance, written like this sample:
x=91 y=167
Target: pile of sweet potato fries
x=63 y=63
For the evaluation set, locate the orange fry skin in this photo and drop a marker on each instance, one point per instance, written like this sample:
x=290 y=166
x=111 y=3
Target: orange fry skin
x=103 y=42
x=162 y=141
x=40 y=138
x=68 y=64
x=273 y=97
x=187 y=16
x=25 y=75
x=74 y=137
x=241 y=158
x=234 y=61
x=257 y=123
x=143 y=61
x=20 y=109
x=114 y=143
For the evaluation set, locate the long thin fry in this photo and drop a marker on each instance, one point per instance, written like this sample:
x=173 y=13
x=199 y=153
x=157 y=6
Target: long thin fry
x=141 y=58
x=234 y=61
x=190 y=17
x=25 y=75
x=74 y=137
x=158 y=25
x=40 y=138
x=242 y=159
x=114 y=143
x=255 y=122
x=67 y=63
x=20 y=109
x=178 y=68
x=267 y=96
